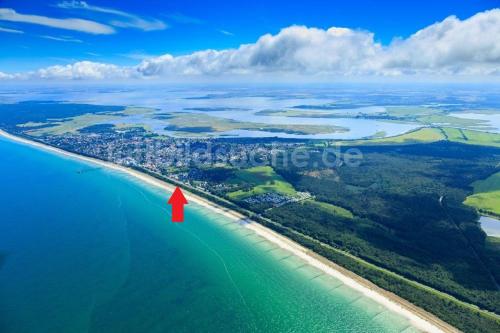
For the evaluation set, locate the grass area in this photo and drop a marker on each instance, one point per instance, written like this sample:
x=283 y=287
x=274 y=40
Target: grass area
x=446 y=120
x=121 y=126
x=422 y=135
x=433 y=134
x=378 y=135
x=479 y=138
x=263 y=179
x=409 y=111
x=453 y=134
x=134 y=110
x=202 y=124
x=490 y=184
x=71 y=125
x=486 y=197
x=332 y=209
x=31 y=124
x=486 y=203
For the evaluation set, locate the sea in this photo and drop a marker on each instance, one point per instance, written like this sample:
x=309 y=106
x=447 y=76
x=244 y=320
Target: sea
x=88 y=249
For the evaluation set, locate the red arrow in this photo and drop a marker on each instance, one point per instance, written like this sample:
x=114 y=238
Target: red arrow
x=177 y=200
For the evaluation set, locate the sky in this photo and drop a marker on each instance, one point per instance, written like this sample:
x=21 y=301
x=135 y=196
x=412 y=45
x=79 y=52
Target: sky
x=99 y=39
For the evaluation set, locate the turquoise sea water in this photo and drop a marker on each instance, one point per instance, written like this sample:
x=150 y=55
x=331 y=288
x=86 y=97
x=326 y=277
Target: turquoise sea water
x=84 y=249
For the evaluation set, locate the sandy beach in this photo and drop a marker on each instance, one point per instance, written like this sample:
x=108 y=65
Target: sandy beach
x=417 y=316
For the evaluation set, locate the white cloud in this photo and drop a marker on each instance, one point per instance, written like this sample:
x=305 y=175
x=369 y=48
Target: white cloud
x=6 y=76
x=225 y=32
x=82 y=70
x=296 y=49
x=181 y=18
x=128 y=20
x=62 y=39
x=451 y=47
x=12 y=31
x=91 y=27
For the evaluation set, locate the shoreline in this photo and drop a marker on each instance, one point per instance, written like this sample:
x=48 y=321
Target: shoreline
x=418 y=317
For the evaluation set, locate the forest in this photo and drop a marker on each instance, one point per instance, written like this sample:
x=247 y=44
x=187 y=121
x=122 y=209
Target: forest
x=409 y=214
x=405 y=214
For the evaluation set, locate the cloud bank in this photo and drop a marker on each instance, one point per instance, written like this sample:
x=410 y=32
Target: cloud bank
x=450 y=47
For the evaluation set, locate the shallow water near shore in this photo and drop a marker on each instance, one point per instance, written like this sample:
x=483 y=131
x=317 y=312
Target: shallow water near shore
x=88 y=249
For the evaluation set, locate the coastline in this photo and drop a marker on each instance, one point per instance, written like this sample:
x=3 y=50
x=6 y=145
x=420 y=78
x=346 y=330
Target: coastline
x=418 y=317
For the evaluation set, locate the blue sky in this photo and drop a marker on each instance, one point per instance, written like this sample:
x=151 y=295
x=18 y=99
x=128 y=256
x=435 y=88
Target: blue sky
x=147 y=28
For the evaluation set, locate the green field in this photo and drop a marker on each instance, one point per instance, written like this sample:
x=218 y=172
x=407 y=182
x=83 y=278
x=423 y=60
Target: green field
x=445 y=120
x=135 y=110
x=434 y=134
x=405 y=112
x=262 y=179
x=72 y=124
x=486 y=197
x=332 y=209
x=422 y=135
x=480 y=138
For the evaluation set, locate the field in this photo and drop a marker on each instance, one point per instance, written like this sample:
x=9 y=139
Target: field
x=329 y=208
x=422 y=135
x=69 y=125
x=410 y=112
x=38 y=118
x=480 y=138
x=486 y=197
x=73 y=124
x=446 y=120
x=260 y=180
x=434 y=134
